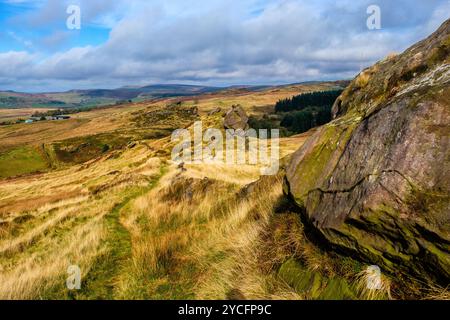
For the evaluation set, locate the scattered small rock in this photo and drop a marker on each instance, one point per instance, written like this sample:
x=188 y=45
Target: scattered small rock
x=181 y=167
x=131 y=145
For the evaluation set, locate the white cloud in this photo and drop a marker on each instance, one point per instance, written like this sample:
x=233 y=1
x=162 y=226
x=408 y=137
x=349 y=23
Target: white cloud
x=214 y=43
x=15 y=63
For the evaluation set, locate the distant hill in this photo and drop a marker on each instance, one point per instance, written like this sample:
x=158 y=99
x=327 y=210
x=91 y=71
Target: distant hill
x=101 y=97
x=151 y=91
x=96 y=97
x=11 y=99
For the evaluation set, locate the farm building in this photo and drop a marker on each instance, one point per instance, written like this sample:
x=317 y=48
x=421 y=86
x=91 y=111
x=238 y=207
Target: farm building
x=62 y=117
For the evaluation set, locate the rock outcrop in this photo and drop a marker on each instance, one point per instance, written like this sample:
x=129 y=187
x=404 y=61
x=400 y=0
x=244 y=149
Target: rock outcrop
x=375 y=182
x=236 y=118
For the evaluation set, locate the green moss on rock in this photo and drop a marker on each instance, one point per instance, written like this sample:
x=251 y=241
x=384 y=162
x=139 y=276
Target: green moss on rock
x=314 y=285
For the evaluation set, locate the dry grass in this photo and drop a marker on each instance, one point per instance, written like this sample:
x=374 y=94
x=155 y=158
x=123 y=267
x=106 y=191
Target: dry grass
x=51 y=220
x=40 y=241
x=236 y=174
x=363 y=79
x=203 y=233
x=33 y=275
x=199 y=238
x=391 y=56
x=207 y=232
x=435 y=292
x=372 y=286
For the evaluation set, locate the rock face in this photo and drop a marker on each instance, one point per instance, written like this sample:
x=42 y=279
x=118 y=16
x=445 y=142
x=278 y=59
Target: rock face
x=236 y=118
x=375 y=182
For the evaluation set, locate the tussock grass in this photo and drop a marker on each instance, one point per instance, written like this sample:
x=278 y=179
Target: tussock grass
x=39 y=242
x=142 y=232
x=363 y=79
x=141 y=228
x=235 y=174
x=35 y=274
x=435 y=292
x=371 y=288
x=199 y=238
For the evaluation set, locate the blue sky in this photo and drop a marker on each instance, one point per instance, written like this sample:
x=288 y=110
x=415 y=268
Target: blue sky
x=211 y=42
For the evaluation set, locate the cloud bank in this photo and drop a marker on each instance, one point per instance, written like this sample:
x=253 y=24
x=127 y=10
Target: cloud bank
x=210 y=42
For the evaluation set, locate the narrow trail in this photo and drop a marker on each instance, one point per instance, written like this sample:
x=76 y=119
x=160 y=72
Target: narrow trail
x=101 y=280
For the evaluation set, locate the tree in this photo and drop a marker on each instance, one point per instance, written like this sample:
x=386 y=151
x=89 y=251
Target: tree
x=323 y=116
x=303 y=101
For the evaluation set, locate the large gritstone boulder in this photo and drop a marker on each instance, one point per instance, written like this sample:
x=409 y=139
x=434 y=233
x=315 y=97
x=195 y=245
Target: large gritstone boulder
x=236 y=118
x=375 y=182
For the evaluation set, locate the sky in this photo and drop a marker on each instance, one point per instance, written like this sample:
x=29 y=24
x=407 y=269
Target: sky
x=207 y=42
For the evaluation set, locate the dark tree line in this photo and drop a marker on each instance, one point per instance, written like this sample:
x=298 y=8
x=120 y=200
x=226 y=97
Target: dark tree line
x=303 y=101
x=306 y=111
x=302 y=121
x=59 y=112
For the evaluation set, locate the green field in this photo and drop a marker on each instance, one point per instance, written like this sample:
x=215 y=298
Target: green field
x=20 y=161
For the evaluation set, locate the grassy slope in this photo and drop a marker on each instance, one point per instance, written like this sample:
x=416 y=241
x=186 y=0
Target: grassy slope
x=90 y=215
x=22 y=160
x=140 y=228
x=42 y=235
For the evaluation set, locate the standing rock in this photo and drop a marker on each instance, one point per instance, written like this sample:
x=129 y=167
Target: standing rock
x=236 y=118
